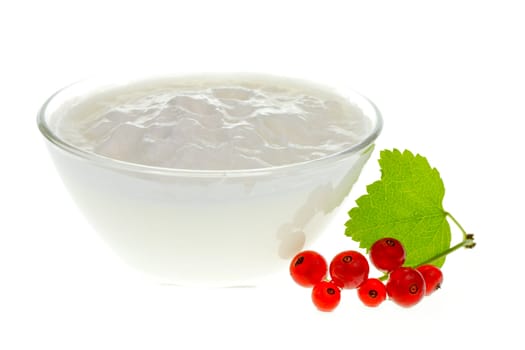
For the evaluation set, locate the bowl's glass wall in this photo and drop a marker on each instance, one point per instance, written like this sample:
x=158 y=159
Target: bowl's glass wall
x=199 y=229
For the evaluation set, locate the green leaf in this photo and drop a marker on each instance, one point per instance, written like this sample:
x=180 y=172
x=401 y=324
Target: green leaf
x=407 y=204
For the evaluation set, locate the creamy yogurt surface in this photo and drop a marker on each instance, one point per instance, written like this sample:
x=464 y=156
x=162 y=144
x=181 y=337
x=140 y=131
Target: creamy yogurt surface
x=214 y=122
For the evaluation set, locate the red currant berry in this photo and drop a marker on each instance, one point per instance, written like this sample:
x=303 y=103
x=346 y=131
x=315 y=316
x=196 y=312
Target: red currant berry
x=406 y=286
x=308 y=268
x=433 y=277
x=387 y=254
x=349 y=269
x=372 y=292
x=326 y=295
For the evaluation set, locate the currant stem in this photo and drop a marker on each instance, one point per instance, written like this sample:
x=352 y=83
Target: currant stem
x=467 y=242
x=445 y=252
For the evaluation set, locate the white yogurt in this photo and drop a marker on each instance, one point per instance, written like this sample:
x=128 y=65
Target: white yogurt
x=215 y=122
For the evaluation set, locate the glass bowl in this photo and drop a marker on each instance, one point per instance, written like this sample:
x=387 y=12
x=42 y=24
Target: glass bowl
x=204 y=227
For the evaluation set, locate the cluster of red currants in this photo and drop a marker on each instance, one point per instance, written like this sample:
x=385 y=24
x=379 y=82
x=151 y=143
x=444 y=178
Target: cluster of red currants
x=406 y=286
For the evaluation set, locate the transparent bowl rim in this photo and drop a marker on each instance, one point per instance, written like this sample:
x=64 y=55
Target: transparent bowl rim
x=115 y=164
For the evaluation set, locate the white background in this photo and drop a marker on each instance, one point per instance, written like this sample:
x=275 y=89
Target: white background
x=449 y=78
